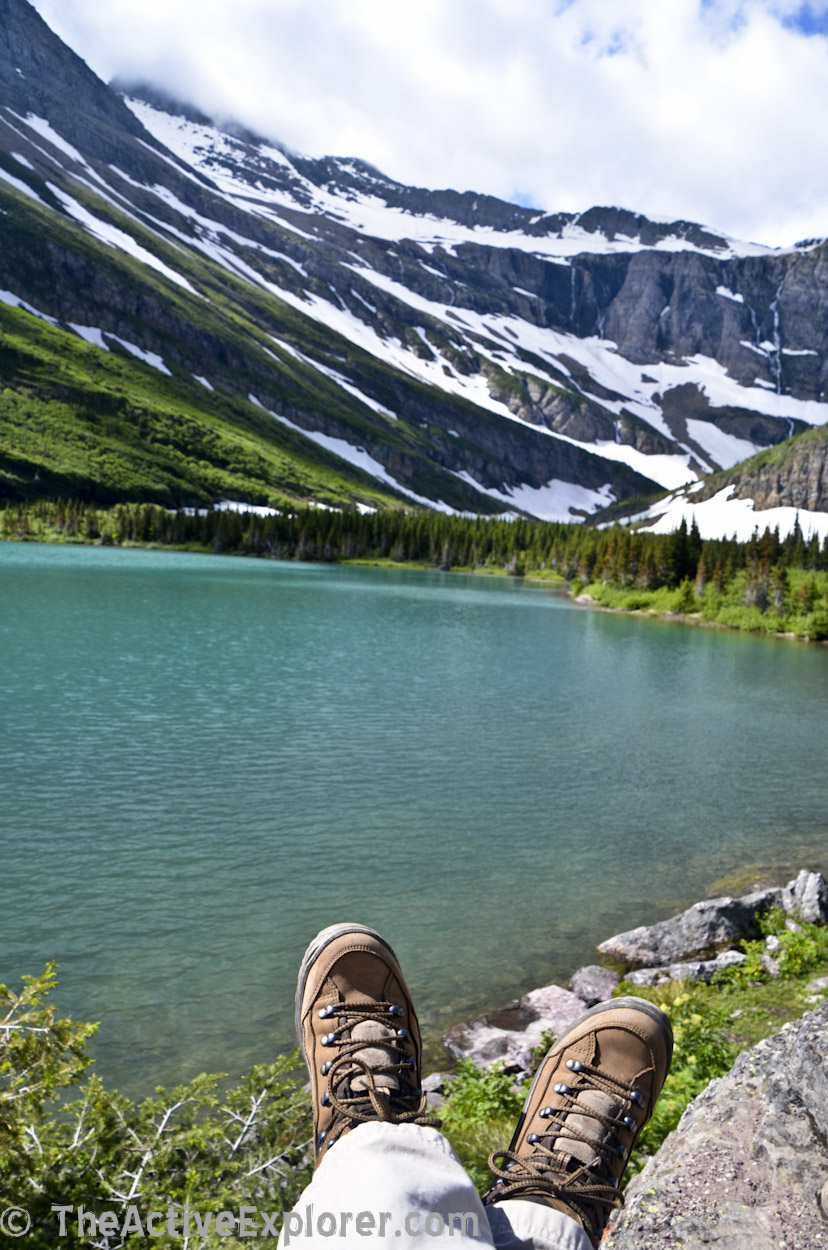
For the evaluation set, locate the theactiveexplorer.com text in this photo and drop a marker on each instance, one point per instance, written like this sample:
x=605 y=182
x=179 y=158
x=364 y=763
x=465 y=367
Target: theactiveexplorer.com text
x=303 y=1224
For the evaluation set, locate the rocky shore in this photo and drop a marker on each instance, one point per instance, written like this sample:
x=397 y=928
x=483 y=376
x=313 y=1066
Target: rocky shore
x=690 y=947
x=747 y=1167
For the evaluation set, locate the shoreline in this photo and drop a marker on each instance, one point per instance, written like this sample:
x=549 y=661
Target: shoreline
x=538 y=578
x=739 y=881
x=694 y=620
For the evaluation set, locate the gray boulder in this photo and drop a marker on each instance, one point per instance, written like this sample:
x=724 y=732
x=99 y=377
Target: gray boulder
x=691 y=970
x=435 y=1087
x=746 y=1167
x=698 y=933
x=510 y=1033
x=594 y=983
x=807 y=897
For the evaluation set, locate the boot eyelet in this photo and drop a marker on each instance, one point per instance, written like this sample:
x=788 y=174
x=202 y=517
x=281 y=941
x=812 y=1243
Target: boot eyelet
x=403 y=1033
x=326 y=1067
x=532 y=1138
x=325 y=1099
x=629 y=1121
x=637 y=1098
x=545 y=1113
x=394 y=1010
x=330 y=1038
x=574 y=1065
x=327 y=1012
x=560 y=1088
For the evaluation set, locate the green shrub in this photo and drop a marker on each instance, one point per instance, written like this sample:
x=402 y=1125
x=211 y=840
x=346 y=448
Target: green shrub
x=701 y=1052
x=538 y=1053
x=480 y=1115
x=193 y=1145
x=800 y=949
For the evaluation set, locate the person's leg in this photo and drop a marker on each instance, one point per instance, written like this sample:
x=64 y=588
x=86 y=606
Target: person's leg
x=389 y=1185
x=384 y=1175
x=590 y=1099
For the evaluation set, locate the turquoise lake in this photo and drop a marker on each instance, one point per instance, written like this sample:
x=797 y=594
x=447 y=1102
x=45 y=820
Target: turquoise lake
x=204 y=760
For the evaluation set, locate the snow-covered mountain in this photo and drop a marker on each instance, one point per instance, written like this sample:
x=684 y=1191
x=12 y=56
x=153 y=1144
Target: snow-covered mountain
x=456 y=350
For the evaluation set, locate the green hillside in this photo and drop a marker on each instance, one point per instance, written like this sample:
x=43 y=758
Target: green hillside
x=80 y=421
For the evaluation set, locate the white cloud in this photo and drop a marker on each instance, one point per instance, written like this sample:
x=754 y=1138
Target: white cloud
x=712 y=110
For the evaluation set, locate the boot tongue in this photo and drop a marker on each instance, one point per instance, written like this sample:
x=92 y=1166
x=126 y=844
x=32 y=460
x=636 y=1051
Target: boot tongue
x=374 y=1056
x=566 y=1144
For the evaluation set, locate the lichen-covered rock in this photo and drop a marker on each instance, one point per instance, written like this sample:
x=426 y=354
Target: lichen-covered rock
x=510 y=1033
x=698 y=933
x=807 y=896
x=746 y=1167
x=594 y=983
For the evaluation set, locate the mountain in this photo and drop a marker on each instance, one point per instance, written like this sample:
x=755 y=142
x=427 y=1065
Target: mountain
x=189 y=312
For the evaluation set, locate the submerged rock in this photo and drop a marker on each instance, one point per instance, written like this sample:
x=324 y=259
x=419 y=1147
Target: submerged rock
x=510 y=1033
x=746 y=1167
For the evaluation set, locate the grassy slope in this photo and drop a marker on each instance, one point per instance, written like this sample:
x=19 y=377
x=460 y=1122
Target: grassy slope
x=78 y=421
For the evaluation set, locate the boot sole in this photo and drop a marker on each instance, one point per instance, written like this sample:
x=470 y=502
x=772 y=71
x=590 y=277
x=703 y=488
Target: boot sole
x=315 y=949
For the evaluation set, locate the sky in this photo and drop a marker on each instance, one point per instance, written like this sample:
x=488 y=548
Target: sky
x=714 y=111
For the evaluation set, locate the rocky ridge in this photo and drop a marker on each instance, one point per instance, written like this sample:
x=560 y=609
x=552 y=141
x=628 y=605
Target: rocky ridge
x=458 y=350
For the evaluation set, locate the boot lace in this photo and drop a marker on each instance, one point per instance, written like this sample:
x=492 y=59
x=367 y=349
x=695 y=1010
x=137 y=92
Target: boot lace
x=401 y=1103
x=589 y=1189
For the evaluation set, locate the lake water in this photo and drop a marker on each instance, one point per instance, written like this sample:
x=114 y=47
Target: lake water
x=203 y=760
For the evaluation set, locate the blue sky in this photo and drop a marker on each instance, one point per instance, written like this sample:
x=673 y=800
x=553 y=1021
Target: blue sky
x=808 y=19
x=710 y=110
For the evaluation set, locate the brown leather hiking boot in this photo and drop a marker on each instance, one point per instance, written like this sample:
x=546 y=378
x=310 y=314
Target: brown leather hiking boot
x=591 y=1097
x=359 y=1034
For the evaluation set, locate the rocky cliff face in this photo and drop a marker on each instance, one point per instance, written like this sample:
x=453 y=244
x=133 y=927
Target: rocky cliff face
x=796 y=476
x=485 y=356
x=747 y=1167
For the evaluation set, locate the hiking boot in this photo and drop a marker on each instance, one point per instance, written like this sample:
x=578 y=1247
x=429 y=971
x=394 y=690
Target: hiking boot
x=590 y=1099
x=359 y=1035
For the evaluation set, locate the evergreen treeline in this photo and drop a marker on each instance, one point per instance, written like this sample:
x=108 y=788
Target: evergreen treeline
x=754 y=575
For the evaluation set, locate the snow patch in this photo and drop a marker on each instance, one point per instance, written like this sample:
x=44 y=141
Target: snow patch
x=723 y=517
x=149 y=358
x=723 y=449
x=90 y=333
x=41 y=127
x=14 y=301
x=726 y=293
x=556 y=501
x=19 y=185
x=114 y=237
